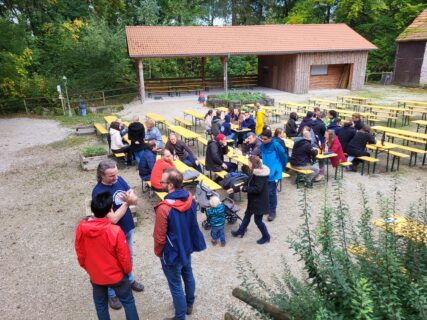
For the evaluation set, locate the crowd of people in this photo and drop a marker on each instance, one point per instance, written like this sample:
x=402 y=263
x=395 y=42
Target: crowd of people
x=104 y=241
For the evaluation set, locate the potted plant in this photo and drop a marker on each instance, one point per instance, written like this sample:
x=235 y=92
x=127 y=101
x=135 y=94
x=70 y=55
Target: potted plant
x=91 y=156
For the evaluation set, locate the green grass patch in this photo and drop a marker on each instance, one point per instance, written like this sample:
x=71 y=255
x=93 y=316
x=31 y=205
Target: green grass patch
x=74 y=120
x=70 y=142
x=93 y=151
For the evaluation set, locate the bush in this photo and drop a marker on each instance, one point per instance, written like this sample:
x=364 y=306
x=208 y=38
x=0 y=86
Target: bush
x=243 y=96
x=352 y=271
x=93 y=151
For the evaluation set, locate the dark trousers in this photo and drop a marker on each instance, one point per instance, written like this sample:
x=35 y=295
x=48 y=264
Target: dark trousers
x=124 y=293
x=258 y=221
x=189 y=161
x=358 y=153
x=272 y=197
x=231 y=167
x=125 y=149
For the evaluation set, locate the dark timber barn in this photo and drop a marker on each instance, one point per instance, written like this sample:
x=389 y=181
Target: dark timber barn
x=411 y=56
x=293 y=58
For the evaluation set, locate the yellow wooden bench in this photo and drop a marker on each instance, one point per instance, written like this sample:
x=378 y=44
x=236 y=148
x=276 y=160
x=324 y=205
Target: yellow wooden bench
x=305 y=172
x=398 y=156
x=160 y=194
x=204 y=143
x=341 y=167
x=404 y=227
x=368 y=160
x=101 y=130
x=183 y=122
x=414 y=152
x=301 y=177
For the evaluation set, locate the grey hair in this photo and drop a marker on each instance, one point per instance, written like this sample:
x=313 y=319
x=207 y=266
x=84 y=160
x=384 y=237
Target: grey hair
x=172 y=135
x=103 y=166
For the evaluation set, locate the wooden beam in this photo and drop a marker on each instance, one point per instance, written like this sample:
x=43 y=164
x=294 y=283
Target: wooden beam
x=141 y=80
x=224 y=62
x=203 y=72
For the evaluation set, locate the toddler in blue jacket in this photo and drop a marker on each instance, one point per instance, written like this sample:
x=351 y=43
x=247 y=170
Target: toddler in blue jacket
x=216 y=216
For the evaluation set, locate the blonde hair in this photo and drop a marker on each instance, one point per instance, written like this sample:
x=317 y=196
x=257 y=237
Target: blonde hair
x=135 y=118
x=214 y=201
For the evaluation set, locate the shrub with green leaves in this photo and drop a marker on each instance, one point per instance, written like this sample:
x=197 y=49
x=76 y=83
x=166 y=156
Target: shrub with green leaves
x=93 y=151
x=351 y=270
x=244 y=96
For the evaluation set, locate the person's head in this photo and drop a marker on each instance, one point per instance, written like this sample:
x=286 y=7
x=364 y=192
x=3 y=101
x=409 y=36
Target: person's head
x=152 y=145
x=266 y=127
x=322 y=115
x=135 y=118
x=309 y=115
x=338 y=121
x=266 y=136
x=209 y=113
x=214 y=201
x=149 y=124
x=293 y=116
x=221 y=139
x=348 y=124
x=107 y=172
x=366 y=129
x=172 y=138
x=251 y=138
x=236 y=111
x=306 y=128
x=279 y=132
x=167 y=155
x=115 y=125
x=227 y=118
x=329 y=137
x=316 y=112
x=247 y=114
x=355 y=117
x=332 y=114
x=306 y=135
x=254 y=162
x=171 y=180
x=257 y=106
x=102 y=204
x=218 y=113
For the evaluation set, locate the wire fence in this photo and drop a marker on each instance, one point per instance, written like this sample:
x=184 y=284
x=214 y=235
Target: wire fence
x=383 y=77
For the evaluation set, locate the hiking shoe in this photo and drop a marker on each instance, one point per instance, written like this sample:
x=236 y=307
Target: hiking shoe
x=189 y=310
x=114 y=303
x=138 y=287
x=223 y=244
x=271 y=217
x=263 y=240
x=213 y=242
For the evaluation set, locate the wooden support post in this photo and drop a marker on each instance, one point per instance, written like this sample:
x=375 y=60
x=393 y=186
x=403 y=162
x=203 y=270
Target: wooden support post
x=141 y=80
x=260 y=305
x=224 y=62
x=203 y=72
x=103 y=97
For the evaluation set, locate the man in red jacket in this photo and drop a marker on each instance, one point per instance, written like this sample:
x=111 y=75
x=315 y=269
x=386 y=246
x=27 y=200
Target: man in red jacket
x=102 y=250
x=166 y=161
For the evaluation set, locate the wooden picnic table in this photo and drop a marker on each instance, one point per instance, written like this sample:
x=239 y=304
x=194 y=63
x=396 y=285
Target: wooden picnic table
x=188 y=135
x=360 y=100
x=235 y=128
x=318 y=102
x=401 y=132
x=420 y=123
x=382 y=147
x=223 y=109
x=110 y=119
x=181 y=167
x=323 y=156
x=195 y=116
x=155 y=117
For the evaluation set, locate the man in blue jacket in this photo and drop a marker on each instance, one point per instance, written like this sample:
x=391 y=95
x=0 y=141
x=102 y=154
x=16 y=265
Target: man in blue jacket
x=147 y=160
x=275 y=158
x=176 y=237
x=249 y=122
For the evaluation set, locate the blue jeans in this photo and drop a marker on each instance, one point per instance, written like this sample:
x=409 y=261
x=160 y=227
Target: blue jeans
x=129 y=239
x=231 y=166
x=189 y=161
x=138 y=156
x=124 y=293
x=218 y=233
x=272 y=197
x=258 y=221
x=181 y=300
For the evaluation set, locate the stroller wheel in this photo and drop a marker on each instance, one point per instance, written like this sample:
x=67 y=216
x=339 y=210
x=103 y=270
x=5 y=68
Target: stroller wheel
x=206 y=225
x=232 y=219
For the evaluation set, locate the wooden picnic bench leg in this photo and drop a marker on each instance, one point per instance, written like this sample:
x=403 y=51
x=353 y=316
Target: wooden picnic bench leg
x=388 y=157
x=363 y=168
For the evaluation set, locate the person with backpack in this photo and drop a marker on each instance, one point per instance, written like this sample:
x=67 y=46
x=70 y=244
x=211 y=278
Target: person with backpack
x=258 y=203
x=102 y=250
x=275 y=157
x=215 y=155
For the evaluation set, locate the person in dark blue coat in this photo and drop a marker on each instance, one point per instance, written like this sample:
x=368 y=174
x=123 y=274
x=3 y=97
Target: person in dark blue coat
x=249 y=122
x=147 y=161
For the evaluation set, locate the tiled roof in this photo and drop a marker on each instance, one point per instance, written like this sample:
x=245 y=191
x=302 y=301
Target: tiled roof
x=417 y=30
x=197 y=41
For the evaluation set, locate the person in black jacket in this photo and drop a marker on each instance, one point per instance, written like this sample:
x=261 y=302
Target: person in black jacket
x=303 y=155
x=357 y=146
x=257 y=190
x=319 y=129
x=307 y=121
x=291 y=127
x=358 y=123
x=345 y=135
x=215 y=155
x=136 y=135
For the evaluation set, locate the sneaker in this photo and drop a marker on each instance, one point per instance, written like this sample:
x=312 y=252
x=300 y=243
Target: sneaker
x=320 y=177
x=138 y=287
x=171 y=318
x=189 y=310
x=223 y=244
x=213 y=242
x=114 y=303
x=271 y=217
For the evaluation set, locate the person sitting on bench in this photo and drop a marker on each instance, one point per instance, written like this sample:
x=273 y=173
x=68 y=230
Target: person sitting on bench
x=291 y=127
x=117 y=144
x=304 y=156
x=332 y=144
x=358 y=123
x=357 y=146
x=179 y=149
x=166 y=161
x=147 y=161
x=153 y=133
x=215 y=155
x=251 y=145
x=249 y=122
x=345 y=135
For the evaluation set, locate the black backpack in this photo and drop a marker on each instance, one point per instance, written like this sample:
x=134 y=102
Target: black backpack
x=233 y=179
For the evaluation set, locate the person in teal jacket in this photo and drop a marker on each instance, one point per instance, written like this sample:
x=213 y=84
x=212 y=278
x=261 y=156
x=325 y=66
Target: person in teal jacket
x=275 y=157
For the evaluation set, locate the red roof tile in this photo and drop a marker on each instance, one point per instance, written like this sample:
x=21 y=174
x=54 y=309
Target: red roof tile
x=197 y=41
x=417 y=30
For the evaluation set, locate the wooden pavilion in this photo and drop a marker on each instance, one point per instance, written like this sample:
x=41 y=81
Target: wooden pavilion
x=293 y=58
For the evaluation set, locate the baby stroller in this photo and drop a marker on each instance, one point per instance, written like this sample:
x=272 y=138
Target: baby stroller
x=204 y=193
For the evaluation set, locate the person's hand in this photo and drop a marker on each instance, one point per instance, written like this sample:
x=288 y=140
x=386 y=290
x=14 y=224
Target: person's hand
x=197 y=162
x=230 y=191
x=224 y=166
x=132 y=199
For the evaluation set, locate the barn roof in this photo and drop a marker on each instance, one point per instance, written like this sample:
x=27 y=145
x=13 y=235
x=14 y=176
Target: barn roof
x=199 y=41
x=417 y=30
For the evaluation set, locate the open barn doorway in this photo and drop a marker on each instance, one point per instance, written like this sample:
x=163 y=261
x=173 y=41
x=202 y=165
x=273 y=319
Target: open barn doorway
x=330 y=76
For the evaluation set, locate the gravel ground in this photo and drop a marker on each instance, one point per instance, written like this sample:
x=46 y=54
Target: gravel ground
x=41 y=278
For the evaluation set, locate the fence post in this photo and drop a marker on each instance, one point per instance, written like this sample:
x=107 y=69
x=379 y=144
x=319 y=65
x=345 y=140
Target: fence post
x=103 y=97
x=25 y=105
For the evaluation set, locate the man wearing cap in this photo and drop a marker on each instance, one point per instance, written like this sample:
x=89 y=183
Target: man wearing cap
x=215 y=155
x=275 y=158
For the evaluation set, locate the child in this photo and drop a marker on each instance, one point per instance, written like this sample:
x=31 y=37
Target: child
x=103 y=252
x=216 y=216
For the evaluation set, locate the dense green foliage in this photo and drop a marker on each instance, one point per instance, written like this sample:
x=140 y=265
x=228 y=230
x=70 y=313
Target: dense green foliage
x=93 y=151
x=351 y=270
x=41 y=41
x=247 y=97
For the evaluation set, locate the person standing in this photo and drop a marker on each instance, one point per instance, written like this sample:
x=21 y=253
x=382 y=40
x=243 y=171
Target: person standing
x=176 y=237
x=136 y=135
x=102 y=250
x=109 y=180
x=259 y=118
x=257 y=189
x=275 y=158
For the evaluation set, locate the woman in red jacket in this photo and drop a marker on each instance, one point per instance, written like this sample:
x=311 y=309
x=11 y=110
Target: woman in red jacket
x=332 y=144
